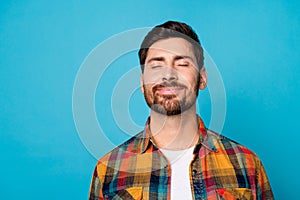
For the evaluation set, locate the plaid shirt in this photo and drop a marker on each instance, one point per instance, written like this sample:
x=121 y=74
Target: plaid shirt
x=221 y=169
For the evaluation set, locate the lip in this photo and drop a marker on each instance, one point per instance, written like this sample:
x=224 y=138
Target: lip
x=169 y=90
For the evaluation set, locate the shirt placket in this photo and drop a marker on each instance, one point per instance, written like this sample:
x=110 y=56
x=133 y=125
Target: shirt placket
x=198 y=185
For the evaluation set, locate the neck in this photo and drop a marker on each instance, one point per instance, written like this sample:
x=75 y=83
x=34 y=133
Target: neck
x=175 y=132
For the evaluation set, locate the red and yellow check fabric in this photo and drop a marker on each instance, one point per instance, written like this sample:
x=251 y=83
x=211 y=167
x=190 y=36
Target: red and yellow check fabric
x=221 y=169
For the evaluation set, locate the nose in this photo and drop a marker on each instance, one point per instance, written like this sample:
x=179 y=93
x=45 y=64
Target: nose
x=169 y=74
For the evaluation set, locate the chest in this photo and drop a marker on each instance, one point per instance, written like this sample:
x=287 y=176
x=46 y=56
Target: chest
x=149 y=176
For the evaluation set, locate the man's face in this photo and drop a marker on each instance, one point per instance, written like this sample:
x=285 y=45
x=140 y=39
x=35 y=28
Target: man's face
x=171 y=78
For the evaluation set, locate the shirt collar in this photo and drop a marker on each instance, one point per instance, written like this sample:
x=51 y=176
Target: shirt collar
x=204 y=139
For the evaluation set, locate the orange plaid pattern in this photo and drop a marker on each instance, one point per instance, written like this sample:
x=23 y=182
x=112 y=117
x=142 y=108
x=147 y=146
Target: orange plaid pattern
x=221 y=169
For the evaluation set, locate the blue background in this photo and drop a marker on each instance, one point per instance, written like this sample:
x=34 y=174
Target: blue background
x=255 y=45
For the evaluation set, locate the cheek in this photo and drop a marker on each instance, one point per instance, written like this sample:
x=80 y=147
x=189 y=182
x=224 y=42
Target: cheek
x=189 y=78
x=148 y=92
x=151 y=78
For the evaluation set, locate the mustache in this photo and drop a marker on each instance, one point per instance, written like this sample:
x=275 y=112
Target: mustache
x=168 y=84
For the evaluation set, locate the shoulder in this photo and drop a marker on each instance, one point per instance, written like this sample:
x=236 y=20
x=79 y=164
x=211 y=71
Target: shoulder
x=129 y=147
x=232 y=148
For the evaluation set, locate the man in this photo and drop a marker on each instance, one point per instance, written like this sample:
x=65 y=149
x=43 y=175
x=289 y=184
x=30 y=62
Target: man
x=176 y=156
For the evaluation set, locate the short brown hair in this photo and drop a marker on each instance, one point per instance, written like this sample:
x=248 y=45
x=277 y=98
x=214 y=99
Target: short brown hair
x=167 y=30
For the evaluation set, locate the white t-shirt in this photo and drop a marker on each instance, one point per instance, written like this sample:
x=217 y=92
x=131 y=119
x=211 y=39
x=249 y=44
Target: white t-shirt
x=180 y=178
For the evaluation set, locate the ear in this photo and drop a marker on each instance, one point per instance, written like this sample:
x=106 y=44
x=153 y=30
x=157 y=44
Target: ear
x=203 y=78
x=142 y=83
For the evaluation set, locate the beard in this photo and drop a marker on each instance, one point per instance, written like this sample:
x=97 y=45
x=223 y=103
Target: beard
x=170 y=104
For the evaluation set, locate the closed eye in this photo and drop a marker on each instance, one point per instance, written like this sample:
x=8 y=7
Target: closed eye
x=156 y=66
x=182 y=63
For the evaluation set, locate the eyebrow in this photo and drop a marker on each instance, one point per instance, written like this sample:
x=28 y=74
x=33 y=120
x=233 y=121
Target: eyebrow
x=156 y=59
x=183 y=57
x=176 y=58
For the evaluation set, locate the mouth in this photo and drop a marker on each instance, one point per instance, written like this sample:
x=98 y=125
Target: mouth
x=168 y=89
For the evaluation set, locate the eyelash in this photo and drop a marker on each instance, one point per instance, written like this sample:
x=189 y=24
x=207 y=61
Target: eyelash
x=155 y=66
x=180 y=65
x=183 y=65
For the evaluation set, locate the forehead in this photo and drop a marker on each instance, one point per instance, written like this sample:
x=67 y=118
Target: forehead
x=174 y=46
